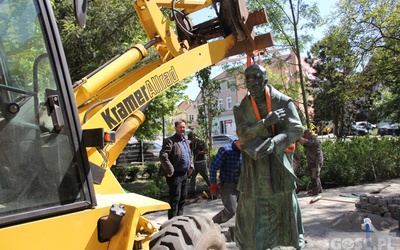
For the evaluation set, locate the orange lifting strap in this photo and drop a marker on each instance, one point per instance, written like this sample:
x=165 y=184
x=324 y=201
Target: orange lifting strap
x=292 y=146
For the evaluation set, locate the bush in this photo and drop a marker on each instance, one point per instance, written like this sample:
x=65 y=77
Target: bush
x=133 y=172
x=150 y=170
x=120 y=173
x=151 y=190
x=125 y=173
x=361 y=160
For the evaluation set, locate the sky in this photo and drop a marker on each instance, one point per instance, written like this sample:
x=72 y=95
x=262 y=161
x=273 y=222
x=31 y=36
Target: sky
x=324 y=7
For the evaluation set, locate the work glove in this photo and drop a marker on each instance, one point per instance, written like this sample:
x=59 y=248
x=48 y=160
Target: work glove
x=213 y=189
x=274 y=117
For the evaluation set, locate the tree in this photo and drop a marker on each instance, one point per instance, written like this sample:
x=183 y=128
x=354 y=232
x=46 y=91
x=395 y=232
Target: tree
x=285 y=85
x=112 y=27
x=335 y=89
x=372 y=29
x=208 y=109
x=287 y=18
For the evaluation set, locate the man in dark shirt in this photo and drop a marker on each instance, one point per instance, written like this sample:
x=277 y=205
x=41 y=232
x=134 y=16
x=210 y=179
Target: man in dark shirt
x=229 y=162
x=176 y=160
x=199 y=150
x=315 y=159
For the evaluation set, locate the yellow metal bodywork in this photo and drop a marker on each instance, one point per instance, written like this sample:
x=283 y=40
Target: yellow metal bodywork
x=79 y=230
x=90 y=86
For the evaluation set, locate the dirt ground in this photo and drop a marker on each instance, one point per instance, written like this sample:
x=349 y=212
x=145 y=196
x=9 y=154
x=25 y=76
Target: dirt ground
x=325 y=221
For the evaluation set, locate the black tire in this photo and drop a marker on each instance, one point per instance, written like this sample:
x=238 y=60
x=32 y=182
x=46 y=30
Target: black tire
x=188 y=232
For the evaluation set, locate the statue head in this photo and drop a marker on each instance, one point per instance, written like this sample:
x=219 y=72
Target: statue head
x=255 y=77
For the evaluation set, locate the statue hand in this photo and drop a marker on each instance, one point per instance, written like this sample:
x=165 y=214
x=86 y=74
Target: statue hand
x=274 y=117
x=266 y=148
x=260 y=148
x=269 y=147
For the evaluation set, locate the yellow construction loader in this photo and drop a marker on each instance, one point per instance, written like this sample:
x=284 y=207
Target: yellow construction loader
x=59 y=139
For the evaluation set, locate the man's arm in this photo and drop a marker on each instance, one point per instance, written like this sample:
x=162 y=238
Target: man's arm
x=216 y=164
x=164 y=156
x=312 y=143
x=205 y=148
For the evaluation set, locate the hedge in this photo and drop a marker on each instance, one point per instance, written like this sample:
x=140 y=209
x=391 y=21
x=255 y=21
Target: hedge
x=356 y=161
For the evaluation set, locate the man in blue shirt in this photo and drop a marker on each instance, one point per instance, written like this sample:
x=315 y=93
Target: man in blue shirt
x=229 y=162
x=176 y=160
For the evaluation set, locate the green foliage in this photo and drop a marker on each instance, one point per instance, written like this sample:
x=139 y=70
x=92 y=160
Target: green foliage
x=208 y=109
x=341 y=163
x=337 y=88
x=133 y=172
x=125 y=173
x=361 y=160
x=286 y=18
x=150 y=170
x=120 y=173
x=152 y=185
x=301 y=168
x=151 y=190
x=372 y=31
x=112 y=28
x=161 y=183
x=23 y=50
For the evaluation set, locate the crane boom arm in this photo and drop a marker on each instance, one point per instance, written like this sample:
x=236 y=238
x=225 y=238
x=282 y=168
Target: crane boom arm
x=107 y=100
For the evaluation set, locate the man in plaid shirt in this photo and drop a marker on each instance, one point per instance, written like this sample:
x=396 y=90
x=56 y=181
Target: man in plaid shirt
x=229 y=161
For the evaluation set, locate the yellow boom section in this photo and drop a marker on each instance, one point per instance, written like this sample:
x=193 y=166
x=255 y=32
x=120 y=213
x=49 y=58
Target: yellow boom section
x=107 y=100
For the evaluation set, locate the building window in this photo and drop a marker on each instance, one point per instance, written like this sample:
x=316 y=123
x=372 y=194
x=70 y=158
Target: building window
x=191 y=118
x=229 y=103
x=220 y=104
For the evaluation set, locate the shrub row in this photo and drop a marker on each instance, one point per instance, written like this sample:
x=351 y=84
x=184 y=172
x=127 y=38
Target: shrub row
x=152 y=185
x=132 y=173
x=356 y=161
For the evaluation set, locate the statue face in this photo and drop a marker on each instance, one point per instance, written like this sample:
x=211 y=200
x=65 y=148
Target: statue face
x=255 y=80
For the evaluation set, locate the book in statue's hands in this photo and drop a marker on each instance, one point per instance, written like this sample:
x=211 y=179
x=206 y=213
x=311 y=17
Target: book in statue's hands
x=258 y=148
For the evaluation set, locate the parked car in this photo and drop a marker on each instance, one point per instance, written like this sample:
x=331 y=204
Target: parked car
x=393 y=129
x=366 y=124
x=220 y=140
x=360 y=130
x=383 y=130
x=133 y=152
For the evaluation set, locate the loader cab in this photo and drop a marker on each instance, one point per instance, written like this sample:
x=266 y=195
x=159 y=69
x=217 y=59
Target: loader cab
x=44 y=170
